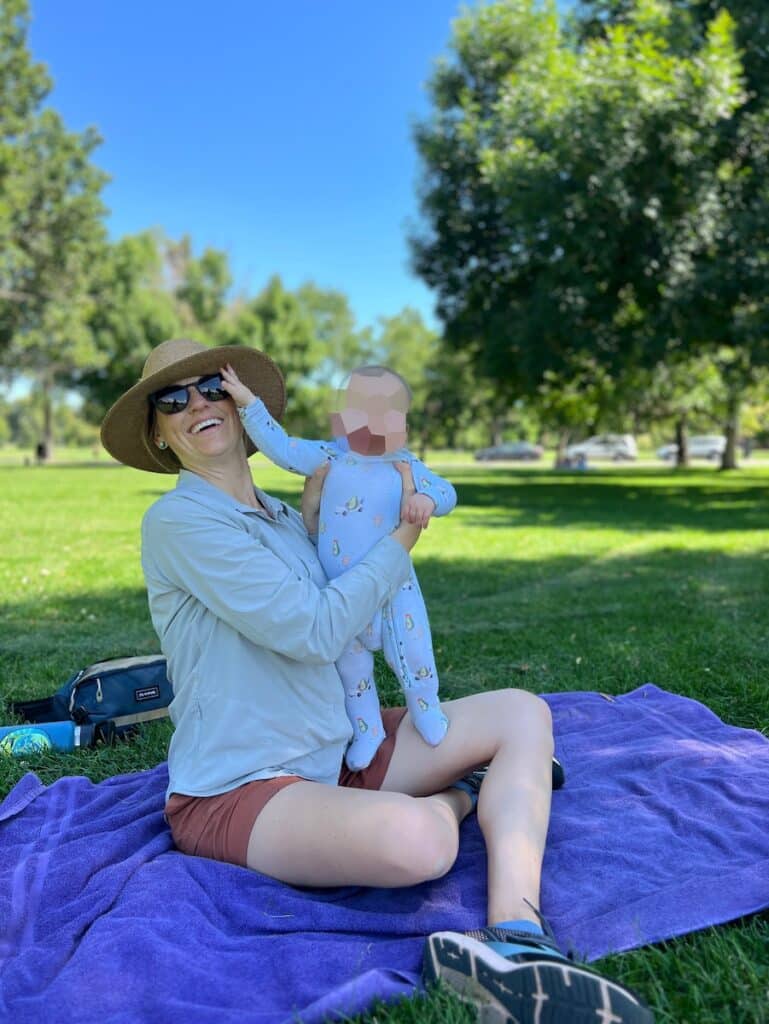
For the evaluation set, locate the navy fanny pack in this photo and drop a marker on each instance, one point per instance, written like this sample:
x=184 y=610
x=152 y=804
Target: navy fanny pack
x=118 y=694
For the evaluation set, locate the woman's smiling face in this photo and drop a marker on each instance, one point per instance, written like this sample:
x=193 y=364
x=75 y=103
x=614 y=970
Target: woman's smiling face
x=201 y=431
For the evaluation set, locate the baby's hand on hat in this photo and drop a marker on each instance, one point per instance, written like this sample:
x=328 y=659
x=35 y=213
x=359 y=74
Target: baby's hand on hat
x=235 y=388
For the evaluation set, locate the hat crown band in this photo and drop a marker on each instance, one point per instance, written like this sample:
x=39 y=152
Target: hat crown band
x=170 y=352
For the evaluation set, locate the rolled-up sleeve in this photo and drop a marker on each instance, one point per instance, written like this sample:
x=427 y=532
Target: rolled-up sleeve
x=245 y=584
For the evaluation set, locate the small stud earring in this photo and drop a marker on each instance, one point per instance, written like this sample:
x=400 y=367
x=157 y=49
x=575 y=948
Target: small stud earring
x=161 y=445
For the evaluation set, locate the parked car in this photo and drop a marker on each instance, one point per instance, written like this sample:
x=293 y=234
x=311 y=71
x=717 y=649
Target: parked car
x=605 y=446
x=511 y=450
x=706 y=446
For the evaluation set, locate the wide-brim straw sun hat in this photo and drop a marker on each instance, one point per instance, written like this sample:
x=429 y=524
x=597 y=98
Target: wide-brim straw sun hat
x=125 y=432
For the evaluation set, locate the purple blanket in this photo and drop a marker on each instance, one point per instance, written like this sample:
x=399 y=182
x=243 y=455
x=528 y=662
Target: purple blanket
x=661 y=829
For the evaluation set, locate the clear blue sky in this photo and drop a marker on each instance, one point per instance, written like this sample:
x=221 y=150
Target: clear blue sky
x=277 y=130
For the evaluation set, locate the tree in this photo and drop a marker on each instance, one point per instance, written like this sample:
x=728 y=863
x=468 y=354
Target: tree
x=572 y=400
x=131 y=313
x=459 y=407
x=343 y=344
x=51 y=231
x=276 y=322
x=199 y=284
x=722 y=306
x=687 y=28
x=570 y=196
x=679 y=389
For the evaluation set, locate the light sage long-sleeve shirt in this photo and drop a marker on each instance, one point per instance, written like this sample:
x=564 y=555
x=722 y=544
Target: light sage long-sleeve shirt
x=251 y=629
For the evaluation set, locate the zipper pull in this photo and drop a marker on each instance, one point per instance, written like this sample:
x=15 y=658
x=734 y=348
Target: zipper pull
x=99 y=694
x=73 y=691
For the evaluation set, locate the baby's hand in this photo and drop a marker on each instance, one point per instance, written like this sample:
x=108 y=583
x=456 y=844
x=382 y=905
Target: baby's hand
x=417 y=509
x=234 y=387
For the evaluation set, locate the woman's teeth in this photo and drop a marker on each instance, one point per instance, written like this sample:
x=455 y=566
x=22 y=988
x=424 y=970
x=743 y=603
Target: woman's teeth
x=203 y=424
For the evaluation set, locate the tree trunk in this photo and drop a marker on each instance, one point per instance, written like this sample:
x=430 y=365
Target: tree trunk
x=45 y=448
x=682 y=440
x=422 y=447
x=729 y=458
x=564 y=436
x=496 y=429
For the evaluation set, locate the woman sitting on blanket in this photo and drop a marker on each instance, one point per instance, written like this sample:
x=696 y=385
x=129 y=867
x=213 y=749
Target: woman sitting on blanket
x=251 y=629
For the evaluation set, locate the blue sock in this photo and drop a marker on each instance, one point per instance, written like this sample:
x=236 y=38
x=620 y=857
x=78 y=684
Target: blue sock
x=467 y=788
x=511 y=948
x=523 y=925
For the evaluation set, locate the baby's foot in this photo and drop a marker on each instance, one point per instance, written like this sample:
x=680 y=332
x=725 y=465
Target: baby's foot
x=364 y=745
x=427 y=716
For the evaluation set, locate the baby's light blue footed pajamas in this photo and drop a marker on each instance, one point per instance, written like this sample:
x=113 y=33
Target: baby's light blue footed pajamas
x=360 y=504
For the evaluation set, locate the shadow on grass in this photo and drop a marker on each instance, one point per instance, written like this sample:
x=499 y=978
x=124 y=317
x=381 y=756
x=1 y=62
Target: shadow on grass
x=726 y=504
x=636 y=499
x=451 y=582
x=670 y=616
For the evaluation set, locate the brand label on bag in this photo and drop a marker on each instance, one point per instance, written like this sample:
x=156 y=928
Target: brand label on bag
x=147 y=693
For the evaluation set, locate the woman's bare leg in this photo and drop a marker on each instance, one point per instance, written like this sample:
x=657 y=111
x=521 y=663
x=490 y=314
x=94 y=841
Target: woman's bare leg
x=512 y=730
x=311 y=834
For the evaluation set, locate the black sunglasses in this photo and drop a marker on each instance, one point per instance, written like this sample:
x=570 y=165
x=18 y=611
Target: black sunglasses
x=177 y=397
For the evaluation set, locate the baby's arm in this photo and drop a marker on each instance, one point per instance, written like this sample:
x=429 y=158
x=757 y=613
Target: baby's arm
x=432 y=486
x=295 y=454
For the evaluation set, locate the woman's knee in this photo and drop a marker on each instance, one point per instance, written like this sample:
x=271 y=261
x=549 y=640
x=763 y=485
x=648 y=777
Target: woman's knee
x=419 y=842
x=527 y=714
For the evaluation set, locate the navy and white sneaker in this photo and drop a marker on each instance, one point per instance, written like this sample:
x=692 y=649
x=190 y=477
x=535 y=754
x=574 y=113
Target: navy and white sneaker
x=532 y=983
x=472 y=783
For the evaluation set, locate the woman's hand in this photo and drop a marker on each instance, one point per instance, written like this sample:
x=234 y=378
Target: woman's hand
x=310 y=505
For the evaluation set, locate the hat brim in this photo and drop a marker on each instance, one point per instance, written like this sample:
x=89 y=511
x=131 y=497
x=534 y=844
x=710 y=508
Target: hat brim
x=125 y=431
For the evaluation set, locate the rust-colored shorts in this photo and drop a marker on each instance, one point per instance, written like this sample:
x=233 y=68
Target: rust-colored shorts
x=220 y=826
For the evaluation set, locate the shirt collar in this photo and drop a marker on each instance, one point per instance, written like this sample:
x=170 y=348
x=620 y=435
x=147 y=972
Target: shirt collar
x=213 y=496
x=401 y=455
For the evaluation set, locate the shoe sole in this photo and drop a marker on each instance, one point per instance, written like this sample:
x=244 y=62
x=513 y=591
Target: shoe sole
x=532 y=992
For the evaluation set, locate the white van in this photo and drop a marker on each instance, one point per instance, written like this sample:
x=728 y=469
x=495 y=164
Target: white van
x=703 y=446
x=618 y=447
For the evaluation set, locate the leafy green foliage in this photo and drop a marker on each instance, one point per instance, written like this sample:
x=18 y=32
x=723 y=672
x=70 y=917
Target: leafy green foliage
x=50 y=212
x=721 y=303
x=579 y=202
x=687 y=26
x=200 y=284
x=132 y=312
x=276 y=322
x=343 y=344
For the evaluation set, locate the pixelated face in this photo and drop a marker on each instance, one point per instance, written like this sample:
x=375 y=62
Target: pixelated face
x=372 y=414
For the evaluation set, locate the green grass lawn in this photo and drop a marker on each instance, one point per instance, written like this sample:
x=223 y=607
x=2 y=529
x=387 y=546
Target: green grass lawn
x=602 y=580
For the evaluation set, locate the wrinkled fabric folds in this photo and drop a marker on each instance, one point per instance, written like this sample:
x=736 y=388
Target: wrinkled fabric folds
x=660 y=830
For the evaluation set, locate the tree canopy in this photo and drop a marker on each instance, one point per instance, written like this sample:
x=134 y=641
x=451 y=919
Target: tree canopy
x=574 y=198
x=721 y=307
x=51 y=228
